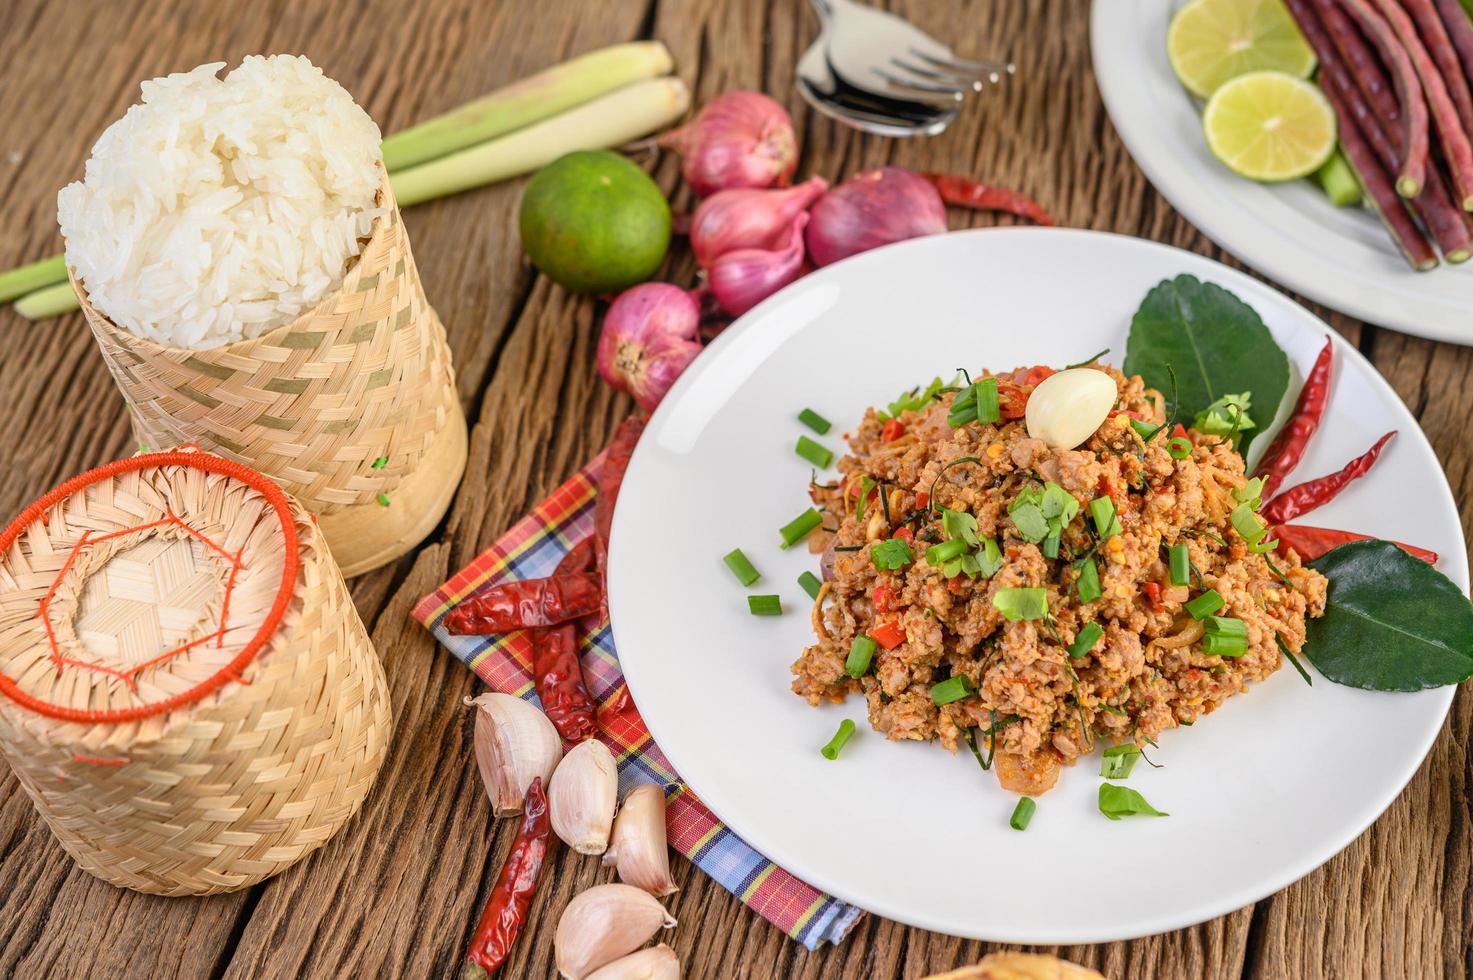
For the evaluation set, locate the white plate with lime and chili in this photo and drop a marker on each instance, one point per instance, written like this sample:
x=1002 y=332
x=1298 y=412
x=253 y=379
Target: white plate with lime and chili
x=711 y=585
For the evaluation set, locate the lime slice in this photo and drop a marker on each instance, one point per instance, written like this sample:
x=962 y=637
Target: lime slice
x=1213 y=41
x=1270 y=126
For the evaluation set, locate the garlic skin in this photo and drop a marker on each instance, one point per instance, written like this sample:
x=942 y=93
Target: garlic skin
x=638 y=849
x=582 y=795
x=656 y=963
x=515 y=743
x=1066 y=408
x=603 y=924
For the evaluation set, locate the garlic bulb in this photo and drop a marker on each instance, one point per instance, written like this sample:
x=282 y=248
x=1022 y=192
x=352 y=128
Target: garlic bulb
x=1066 y=408
x=514 y=744
x=656 y=963
x=638 y=847
x=603 y=924
x=582 y=795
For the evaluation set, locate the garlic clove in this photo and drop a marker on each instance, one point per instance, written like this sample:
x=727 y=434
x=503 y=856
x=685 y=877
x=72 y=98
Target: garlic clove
x=582 y=795
x=638 y=848
x=656 y=963
x=604 y=923
x=515 y=743
x=1066 y=408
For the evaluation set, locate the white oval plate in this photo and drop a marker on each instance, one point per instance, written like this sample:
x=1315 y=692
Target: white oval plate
x=1260 y=793
x=1341 y=257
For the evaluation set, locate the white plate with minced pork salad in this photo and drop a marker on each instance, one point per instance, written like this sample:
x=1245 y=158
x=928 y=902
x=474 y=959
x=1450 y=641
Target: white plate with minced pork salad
x=942 y=579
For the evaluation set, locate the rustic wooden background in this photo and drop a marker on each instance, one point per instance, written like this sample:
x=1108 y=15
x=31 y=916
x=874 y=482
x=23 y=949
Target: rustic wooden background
x=398 y=891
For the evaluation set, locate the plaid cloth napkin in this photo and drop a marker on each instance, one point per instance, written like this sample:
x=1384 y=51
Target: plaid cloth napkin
x=532 y=549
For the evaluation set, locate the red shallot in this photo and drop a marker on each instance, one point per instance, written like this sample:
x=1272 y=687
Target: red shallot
x=743 y=278
x=748 y=218
x=649 y=337
x=871 y=209
x=738 y=139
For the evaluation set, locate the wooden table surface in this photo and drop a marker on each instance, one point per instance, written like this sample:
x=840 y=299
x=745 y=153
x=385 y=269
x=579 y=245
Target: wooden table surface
x=397 y=892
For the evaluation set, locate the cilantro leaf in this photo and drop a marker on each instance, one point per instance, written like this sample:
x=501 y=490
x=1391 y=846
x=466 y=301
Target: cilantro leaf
x=891 y=554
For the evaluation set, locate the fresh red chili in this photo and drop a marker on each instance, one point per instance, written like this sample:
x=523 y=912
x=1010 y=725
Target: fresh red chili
x=1305 y=497
x=892 y=430
x=889 y=634
x=1312 y=542
x=1127 y=412
x=904 y=533
x=527 y=603
x=884 y=599
x=1287 y=449
x=1153 y=594
x=967 y=193
x=1036 y=374
x=923 y=499
x=1012 y=401
x=506 y=909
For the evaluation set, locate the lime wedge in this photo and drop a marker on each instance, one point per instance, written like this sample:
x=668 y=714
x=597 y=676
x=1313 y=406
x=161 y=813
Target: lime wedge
x=1213 y=41
x=1270 y=126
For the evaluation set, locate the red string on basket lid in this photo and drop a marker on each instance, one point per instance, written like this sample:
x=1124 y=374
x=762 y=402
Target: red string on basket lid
x=194 y=459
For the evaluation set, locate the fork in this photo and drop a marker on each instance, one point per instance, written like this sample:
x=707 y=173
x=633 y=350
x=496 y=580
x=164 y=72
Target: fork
x=881 y=53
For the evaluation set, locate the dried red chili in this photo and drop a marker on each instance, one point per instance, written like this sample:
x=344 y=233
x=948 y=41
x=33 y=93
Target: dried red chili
x=967 y=193
x=559 y=679
x=1312 y=542
x=527 y=603
x=610 y=478
x=506 y=909
x=1305 y=497
x=1287 y=449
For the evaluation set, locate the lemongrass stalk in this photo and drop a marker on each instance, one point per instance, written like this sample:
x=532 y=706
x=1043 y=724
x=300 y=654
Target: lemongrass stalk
x=29 y=278
x=527 y=101
x=611 y=120
x=48 y=302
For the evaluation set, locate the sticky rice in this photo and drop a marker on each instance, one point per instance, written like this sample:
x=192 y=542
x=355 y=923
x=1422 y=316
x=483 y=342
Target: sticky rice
x=219 y=208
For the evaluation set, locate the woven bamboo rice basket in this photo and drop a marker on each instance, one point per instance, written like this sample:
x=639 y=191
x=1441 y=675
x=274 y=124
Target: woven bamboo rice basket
x=352 y=407
x=186 y=690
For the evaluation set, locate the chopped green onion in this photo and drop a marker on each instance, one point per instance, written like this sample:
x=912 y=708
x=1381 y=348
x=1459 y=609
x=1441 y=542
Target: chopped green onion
x=984 y=395
x=1102 y=512
x=1085 y=640
x=1022 y=813
x=1248 y=524
x=940 y=554
x=765 y=605
x=952 y=689
x=890 y=554
x=383 y=500
x=861 y=651
x=380 y=463
x=818 y=455
x=1145 y=430
x=741 y=567
x=814 y=421
x=836 y=744
x=811 y=584
x=1180 y=447
x=1088 y=582
x=1251 y=493
x=1181 y=564
x=1051 y=545
x=800 y=527
x=1205 y=604
x=1119 y=760
x=1020 y=604
x=1122 y=801
x=1263 y=545
x=1284 y=649
x=1224 y=636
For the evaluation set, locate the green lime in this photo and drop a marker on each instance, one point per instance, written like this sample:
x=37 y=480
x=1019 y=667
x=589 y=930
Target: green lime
x=1214 y=41
x=1270 y=126
x=593 y=222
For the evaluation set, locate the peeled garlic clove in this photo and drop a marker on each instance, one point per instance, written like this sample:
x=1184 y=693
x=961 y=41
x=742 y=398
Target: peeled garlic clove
x=638 y=847
x=515 y=743
x=582 y=795
x=603 y=924
x=656 y=963
x=1066 y=408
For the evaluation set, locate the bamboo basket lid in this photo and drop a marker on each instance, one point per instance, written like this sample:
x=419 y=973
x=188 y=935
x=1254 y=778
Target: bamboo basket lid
x=187 y=693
